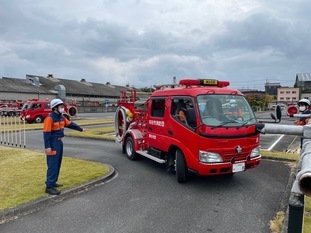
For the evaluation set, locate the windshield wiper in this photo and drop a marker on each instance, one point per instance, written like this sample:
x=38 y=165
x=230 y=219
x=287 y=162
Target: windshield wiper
x=223 y=124
x=247 y=121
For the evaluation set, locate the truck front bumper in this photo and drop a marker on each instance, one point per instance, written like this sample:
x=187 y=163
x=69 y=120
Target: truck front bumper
x=212 y=169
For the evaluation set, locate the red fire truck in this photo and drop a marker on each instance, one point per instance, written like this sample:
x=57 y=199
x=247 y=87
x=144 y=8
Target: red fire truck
x=190 y=127
x=35 y=110
x=11 y=108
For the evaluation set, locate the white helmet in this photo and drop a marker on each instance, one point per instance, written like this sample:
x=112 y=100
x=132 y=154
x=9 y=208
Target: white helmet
x=232 y=103
x=305 y=101
x=56 y=102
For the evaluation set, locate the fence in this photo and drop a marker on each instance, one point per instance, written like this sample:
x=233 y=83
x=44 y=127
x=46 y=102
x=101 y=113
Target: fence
x=302 y=183
x=12 y=131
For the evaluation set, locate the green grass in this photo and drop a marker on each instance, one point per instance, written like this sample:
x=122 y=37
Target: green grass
x=105 y=133
x=23 y=172
x=307 y=216
x=280 y=155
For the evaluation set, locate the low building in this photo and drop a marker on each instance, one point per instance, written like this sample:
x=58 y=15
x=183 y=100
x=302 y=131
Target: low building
x=303 y=82
x=288 y=95
x=272 y=88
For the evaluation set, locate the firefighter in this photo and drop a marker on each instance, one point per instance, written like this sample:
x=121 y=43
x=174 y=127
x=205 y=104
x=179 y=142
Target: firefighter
x=235 y=110
x=303 y=107
x=53 y=132
x=181 y=110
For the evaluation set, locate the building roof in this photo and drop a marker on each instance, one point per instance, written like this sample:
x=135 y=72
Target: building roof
x=303 y=77
x=17 y=85
x=267 y=84
x=74 y=87
x=49 y=85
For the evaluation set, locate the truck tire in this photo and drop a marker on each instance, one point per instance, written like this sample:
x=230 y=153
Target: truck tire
x=129 y=149
x=39 y=119
x=181 y=167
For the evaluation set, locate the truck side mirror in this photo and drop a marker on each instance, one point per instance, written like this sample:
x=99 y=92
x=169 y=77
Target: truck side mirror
x=278 y=114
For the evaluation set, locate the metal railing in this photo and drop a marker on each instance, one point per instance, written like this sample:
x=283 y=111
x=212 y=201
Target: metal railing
x=12 y=131
x=302 y=182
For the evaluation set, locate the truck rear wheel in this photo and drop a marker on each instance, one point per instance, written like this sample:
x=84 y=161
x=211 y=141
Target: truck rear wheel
x=129 y=149
x=181 y=167
x=11 y=113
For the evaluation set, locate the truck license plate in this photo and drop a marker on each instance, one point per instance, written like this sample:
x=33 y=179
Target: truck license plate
x=238 y=167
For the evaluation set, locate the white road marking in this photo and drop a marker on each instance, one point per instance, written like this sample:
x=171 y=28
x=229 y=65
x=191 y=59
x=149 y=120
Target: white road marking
x=271 y=147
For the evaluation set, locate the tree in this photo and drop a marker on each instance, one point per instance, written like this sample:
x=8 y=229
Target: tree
x=147 y=89
x=256 y=102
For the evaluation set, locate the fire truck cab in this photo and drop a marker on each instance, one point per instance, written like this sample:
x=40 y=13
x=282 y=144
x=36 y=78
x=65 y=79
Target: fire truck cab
x=201 y=126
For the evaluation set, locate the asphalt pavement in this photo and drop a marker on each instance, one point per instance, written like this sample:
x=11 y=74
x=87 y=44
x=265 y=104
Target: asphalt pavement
x=139 y=196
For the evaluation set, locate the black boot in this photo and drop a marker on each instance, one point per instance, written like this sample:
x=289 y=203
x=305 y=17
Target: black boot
x=52 y=191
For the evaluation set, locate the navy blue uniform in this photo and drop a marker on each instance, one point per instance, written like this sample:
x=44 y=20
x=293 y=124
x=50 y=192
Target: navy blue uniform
x=303 y=121
x=53 y=132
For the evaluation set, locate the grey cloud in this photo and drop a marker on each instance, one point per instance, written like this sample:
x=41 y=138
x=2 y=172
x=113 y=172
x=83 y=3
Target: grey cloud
x=272 y=41
x=263 y=30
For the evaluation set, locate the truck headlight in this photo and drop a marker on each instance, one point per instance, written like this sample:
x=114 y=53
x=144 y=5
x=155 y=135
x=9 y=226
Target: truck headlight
x=209 y=157
x=27 y=116
x=255 y=152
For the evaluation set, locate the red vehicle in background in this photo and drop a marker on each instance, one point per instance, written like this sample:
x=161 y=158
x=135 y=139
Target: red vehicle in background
x=36 y=110
x=211 y=140
x=11 y=109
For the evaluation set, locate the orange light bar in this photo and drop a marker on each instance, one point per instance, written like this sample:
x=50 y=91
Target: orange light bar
x=204 y=82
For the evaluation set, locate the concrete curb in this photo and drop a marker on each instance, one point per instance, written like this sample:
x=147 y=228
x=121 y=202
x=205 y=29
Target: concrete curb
x=285 y=199
x=32 y=206
x=284 y=202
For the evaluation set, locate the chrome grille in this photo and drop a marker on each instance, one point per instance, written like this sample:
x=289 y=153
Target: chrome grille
x=227 y=156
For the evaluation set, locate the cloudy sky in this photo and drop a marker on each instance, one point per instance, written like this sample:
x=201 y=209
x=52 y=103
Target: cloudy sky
x=147 y=42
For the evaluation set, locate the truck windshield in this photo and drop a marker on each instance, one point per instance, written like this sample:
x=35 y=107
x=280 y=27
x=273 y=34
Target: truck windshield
x=26 y=106
x=225 y=110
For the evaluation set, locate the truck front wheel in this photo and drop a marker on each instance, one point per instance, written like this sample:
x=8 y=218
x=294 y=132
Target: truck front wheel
x=39 y=119
x=181 y=167
x=129 y=149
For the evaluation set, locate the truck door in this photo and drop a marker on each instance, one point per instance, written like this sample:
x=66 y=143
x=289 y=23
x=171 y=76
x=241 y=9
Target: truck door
x=182 y=127
x=156 y=126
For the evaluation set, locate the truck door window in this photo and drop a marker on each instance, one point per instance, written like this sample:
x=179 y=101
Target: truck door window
x=36 y=106
x=182 y=110
x=157 y=107
x=26 y=106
